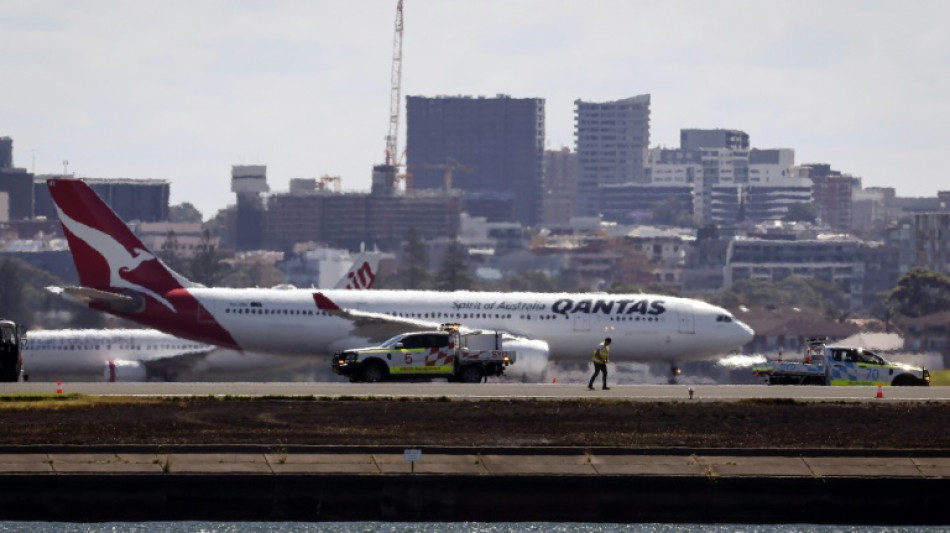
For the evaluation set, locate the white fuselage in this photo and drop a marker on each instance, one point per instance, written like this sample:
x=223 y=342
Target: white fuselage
x=130 y=354
x=88 y=352
x=643 y=327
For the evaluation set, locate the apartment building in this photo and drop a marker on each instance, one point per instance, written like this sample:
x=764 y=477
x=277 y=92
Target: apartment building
x=611 y=142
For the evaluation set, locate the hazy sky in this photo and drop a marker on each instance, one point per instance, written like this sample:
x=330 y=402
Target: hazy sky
x=182 y=90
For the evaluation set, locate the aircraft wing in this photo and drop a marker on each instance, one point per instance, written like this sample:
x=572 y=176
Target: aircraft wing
x=168 y=367
x=376 y=327
x=188 y=355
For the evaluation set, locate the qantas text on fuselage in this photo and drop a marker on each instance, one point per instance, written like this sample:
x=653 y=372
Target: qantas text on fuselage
x=304 y=321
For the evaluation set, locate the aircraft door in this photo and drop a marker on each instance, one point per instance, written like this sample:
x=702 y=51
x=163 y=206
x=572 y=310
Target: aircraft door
x=581 y=322
x=687 y=321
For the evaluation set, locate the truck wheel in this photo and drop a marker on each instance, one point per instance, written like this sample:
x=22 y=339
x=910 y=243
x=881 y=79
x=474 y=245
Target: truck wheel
x=471 y=374
x=374 y=372
x=906 y=380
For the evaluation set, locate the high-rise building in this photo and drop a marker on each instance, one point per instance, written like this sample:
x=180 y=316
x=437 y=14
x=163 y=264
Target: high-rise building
x=483 y=144
x=16 y=183
x=559 y=187
x=731 y=182
x=611 y=139
x=932 y=241
x=833 y=193
x=249 y=182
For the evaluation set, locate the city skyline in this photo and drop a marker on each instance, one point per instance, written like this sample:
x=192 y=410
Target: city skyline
x=182 y=91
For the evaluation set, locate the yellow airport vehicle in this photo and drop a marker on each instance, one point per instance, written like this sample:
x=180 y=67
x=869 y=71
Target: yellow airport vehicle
x=445 y=353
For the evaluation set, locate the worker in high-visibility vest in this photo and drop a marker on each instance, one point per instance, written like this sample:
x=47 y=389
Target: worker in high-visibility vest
x=600 y=360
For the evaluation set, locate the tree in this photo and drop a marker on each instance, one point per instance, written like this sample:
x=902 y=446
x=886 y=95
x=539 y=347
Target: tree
x=453 y=274
x=801 y=212
x=528 y=281
x=672 y=212
x=920 y=292
x=169 y=254
x=207 y=267
x=256 y=274
x=415 y=274
x=806 y=293
x=185 y=212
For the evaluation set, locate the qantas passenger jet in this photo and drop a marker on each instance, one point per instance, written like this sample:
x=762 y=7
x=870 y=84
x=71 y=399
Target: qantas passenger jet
x=121 y=276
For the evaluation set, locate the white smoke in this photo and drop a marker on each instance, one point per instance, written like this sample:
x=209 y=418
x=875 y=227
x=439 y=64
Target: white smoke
x=741 y=361
x=531 y=358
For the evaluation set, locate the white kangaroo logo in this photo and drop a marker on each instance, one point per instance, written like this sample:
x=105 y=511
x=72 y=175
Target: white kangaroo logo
x=116 y=255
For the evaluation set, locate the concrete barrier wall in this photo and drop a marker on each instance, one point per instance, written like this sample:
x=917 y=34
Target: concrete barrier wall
x=308 y=497
x=472 y=484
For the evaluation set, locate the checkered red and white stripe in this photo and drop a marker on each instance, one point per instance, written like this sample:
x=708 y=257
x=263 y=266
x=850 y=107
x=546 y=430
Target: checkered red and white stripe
x=440 y=357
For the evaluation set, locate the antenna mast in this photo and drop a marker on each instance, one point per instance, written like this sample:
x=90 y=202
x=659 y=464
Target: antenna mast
x=392 y=140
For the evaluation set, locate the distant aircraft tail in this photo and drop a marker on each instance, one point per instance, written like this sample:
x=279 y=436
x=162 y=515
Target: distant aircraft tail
x=362 y=274
x=108 y=256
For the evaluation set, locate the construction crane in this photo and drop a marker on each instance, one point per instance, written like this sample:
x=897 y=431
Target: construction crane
x=392 y=140
x=450 y=166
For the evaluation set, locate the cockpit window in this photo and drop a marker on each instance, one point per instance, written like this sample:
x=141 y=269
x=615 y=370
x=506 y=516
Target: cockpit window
x=723 y=318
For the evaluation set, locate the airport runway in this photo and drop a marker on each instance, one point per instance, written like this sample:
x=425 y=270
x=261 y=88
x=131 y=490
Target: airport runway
x=486 y=391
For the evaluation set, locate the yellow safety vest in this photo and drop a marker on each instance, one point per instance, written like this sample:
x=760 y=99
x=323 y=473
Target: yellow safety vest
x=601 y=354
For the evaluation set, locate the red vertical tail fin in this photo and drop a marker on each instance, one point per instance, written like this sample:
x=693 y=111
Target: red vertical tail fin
x=362 y=274
x=107 y=254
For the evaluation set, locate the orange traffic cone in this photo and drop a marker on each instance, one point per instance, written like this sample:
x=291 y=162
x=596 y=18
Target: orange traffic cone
x=880 y=391
x=59 y=387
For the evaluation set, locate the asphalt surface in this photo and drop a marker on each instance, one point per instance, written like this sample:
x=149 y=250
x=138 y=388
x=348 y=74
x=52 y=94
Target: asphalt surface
x=489 y=391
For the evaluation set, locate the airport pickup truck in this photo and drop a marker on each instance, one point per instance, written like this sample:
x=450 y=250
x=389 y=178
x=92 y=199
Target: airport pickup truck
x=445 y=353
x=842 y=365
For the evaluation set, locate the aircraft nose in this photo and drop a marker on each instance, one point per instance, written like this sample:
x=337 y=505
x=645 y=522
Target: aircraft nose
x=744 y=333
